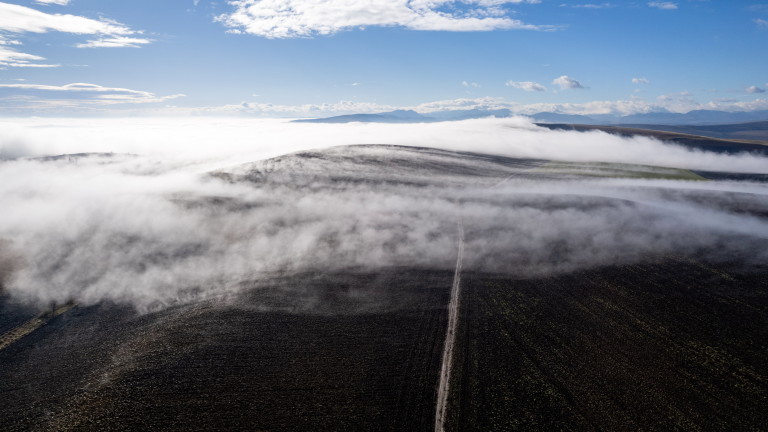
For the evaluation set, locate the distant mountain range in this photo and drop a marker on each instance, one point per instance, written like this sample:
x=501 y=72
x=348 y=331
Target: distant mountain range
x=692 y=118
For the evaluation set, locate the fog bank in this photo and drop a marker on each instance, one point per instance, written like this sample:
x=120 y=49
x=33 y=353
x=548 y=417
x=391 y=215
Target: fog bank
x=151 y=226
x=210 y=143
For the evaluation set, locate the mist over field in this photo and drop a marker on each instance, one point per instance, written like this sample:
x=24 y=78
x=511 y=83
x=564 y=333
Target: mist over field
x=170 y=211
x=211 y=143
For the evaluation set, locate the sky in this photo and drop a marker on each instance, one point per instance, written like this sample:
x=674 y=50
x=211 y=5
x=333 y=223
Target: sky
x=299 y=58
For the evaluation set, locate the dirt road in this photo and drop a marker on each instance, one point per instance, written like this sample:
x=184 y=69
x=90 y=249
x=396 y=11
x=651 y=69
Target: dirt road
x=28 y=327
x=444 y=386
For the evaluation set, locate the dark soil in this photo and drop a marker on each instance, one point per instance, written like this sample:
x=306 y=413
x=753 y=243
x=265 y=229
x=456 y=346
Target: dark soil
x=212 y=366
x=670 y=345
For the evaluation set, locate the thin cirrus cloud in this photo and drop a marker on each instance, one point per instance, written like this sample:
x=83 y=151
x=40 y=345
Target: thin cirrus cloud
x=115 y=42
x=640 y=81
x=53 y=2
x=18 y=20
x=663 y=5
x=528 y=86
x=10 y=57
x=565 y=82
x=761 y=23
x=298 y=18
x=589 y=5
x=75 y=95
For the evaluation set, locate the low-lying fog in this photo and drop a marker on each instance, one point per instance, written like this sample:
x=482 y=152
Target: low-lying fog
x=151 y=226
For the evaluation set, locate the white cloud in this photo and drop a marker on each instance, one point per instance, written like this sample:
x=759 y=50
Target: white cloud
x=566 y=82
x=680 y=102
x=74 y=87
x=12 y=58
x=55 y=2
x=299 y=18
x=21 y=19
x=663 y=5
x=640 y=81
x=115 y=42
x=761 y=22
x=481 y=103
x=671 y=103
x=17 y=19
x=755 y=89
x=79 y=99
x=77 y=95
x=267 y=110
x=8 y=42
x=470 y=84
x=589 y=5
x=526 y=85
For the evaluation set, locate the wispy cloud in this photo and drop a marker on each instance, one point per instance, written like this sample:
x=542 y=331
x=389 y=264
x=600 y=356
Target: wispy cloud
x=18 y=20
x=115 y=42
x=755 y=89
x=640 y=81
x=10 y=57
x=529 y=86
x=53 y=2
x=588 y=5
x=565 y=82
x=298 y=18
x=663 y=5
x=470 y=84
x=22 y=19
x=76 y=95
x=761 y=23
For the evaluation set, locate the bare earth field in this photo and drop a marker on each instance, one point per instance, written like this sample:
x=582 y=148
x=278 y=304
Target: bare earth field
x=211 y=366
x=668 y=345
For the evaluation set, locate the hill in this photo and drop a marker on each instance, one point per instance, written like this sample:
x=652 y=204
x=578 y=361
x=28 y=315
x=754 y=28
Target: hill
x=590 y=296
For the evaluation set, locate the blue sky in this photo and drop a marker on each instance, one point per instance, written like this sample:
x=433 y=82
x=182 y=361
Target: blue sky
x=320 y=57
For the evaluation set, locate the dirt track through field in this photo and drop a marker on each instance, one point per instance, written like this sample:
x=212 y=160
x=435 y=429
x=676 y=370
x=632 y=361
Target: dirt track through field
x=28 y=327
x=444 y=386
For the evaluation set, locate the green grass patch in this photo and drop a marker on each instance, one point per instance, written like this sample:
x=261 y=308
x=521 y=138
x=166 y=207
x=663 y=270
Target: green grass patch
x=617 y=170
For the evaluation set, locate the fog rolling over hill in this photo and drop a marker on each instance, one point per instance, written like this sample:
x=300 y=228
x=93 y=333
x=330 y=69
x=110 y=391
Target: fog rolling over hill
x=282 y=282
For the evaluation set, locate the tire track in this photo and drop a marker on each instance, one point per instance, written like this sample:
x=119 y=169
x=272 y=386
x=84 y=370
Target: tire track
x=444 y=386
x=13 y=335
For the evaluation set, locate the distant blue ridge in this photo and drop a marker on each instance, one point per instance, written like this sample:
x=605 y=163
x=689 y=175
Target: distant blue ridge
x=697 y=117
